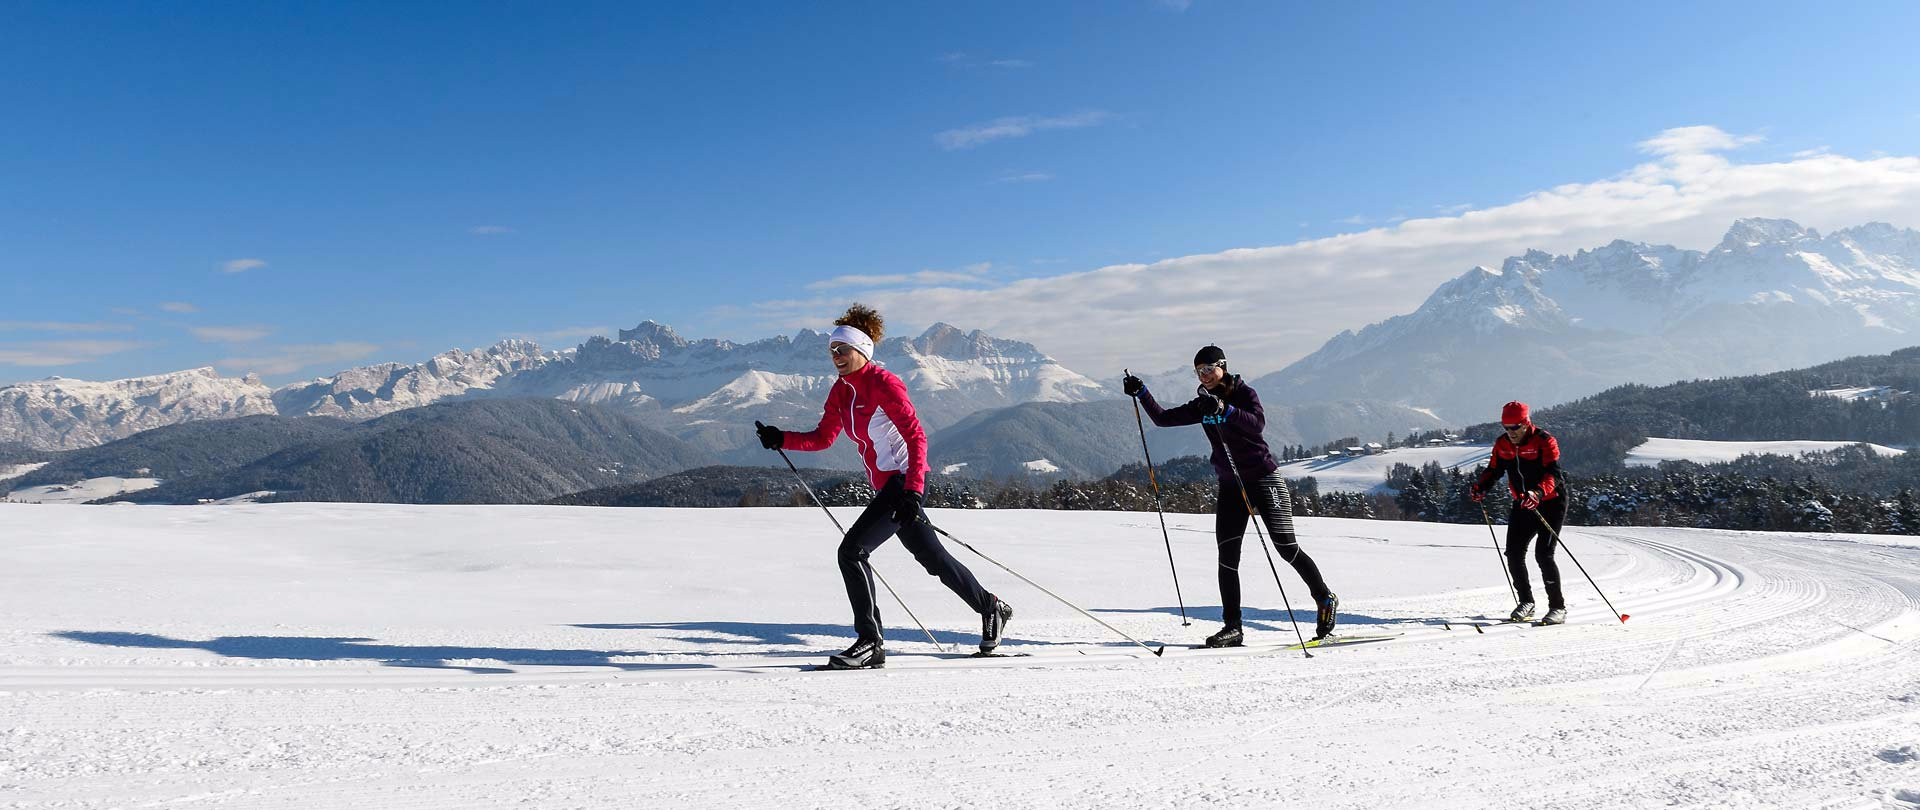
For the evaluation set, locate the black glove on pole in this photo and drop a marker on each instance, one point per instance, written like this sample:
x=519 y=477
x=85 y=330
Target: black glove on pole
x=906 y=510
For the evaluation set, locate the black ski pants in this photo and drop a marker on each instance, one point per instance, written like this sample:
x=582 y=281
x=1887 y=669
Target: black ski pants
x=1523 y=527
x=1270 y=495
x=872 y=528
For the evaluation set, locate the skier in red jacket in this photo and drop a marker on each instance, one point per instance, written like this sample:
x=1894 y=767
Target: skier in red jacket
x=870 y=403
x=1530 y=459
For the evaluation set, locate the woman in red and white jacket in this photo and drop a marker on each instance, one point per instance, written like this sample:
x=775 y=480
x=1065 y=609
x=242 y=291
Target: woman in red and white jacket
x=1530 y=459
x=870 y=403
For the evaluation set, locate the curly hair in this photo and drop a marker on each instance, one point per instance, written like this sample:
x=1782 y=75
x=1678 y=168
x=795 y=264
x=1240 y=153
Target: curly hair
x=864 y=318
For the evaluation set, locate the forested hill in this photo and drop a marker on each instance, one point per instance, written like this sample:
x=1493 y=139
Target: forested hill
x=1876 y=398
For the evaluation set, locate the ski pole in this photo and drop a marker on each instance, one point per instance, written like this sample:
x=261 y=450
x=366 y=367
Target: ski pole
x=1496 y=552
x=1063 y=600
x=843 y=532
x=1158 y=507
x=1583 y=569
x=1263 y=540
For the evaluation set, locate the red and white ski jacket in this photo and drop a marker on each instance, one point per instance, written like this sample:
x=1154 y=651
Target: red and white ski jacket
x=871 y=405
x=1533 y=464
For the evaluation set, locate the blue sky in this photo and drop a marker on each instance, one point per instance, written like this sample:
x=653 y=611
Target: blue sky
x=296 y=189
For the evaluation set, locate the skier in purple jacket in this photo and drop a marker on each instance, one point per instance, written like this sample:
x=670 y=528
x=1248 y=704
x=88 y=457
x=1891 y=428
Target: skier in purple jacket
x=1229 y=410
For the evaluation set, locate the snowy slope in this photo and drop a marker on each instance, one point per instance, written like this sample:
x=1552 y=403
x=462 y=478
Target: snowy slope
x=10 y=471
x=1701 y=451
x=1369 y=473
x=91 y=489
x=351 y=656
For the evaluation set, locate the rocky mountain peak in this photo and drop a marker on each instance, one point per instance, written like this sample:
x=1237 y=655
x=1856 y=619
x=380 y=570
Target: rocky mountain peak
x=1752 y=232
x=651 y=331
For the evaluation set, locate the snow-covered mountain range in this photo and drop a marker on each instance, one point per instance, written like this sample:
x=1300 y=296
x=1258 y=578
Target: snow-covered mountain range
x=1773 y=295
x=707 y=391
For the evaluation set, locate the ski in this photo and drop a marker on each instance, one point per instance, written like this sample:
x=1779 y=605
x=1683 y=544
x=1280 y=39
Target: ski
x=1344 y=640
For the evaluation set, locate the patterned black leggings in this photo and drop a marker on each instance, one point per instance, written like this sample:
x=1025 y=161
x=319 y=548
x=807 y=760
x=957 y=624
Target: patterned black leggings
x=1275 y=502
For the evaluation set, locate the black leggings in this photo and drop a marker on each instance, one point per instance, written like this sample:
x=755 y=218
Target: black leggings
x=1271 y=497
x=872 y=528
x=1523 y=526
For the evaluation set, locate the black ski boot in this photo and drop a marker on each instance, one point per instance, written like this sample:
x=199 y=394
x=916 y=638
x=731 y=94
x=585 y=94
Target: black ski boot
x=1227 y=637
x=1329 y=612
x=992 y=624
x=864 y=654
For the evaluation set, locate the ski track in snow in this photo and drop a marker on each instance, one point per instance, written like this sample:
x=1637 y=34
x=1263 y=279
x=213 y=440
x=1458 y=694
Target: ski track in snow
x=319 y=656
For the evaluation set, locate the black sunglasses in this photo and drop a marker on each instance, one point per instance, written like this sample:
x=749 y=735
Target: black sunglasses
x=840 y=349
x=1513 y=427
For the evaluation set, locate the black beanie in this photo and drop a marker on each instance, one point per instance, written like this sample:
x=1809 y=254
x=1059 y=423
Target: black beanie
x=1208 y=355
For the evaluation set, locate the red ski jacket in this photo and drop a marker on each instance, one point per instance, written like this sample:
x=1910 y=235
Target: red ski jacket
x=1534 y=464
x=871 y=405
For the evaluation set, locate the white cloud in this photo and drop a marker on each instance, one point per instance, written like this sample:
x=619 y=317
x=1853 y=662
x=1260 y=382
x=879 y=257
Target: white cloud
x=181 y=307
x=970 y=274
x=1695 y=140
x=288 y=359
x=61 y=352
x=1454 y=209
x=242 y=265
x=1018 y=126
x=489 y=230
x=61 y=326
x=1272 y=305
x=1024 y=177
x=1814 y=152
x=1011 y=64
x=230 y=334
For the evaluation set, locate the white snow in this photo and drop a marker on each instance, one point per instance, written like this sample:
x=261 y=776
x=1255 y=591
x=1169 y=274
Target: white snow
x=1041 y=465
x=1850 y=394
x=16 y=470
x=354 y=656
x=952 y=468
x=91 y=489
x=1369 y=473
x=1702 y=451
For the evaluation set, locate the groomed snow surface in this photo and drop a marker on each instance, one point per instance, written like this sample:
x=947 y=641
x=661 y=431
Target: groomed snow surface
x=377 y=656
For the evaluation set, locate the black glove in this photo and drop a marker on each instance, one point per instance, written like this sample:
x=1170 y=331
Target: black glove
x=1212 y=404
x=906 y=510
x=770 y=437
x=1132 y=385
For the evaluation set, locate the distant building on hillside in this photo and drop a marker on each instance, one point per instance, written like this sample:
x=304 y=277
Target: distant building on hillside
x=1374 y=449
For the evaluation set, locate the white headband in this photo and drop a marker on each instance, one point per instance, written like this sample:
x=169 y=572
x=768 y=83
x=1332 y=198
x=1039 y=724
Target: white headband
x=852 y=337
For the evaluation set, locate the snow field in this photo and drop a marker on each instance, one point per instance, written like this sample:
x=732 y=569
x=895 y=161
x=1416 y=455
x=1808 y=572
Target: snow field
x=1369 y=473
x=303 y=655
x=1702 y=451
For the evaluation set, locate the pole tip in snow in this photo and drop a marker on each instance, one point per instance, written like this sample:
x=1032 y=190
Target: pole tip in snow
x=1624 y=617
x=1160 y=653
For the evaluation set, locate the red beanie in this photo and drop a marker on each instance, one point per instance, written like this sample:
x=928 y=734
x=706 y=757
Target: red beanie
x=1516 y=413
